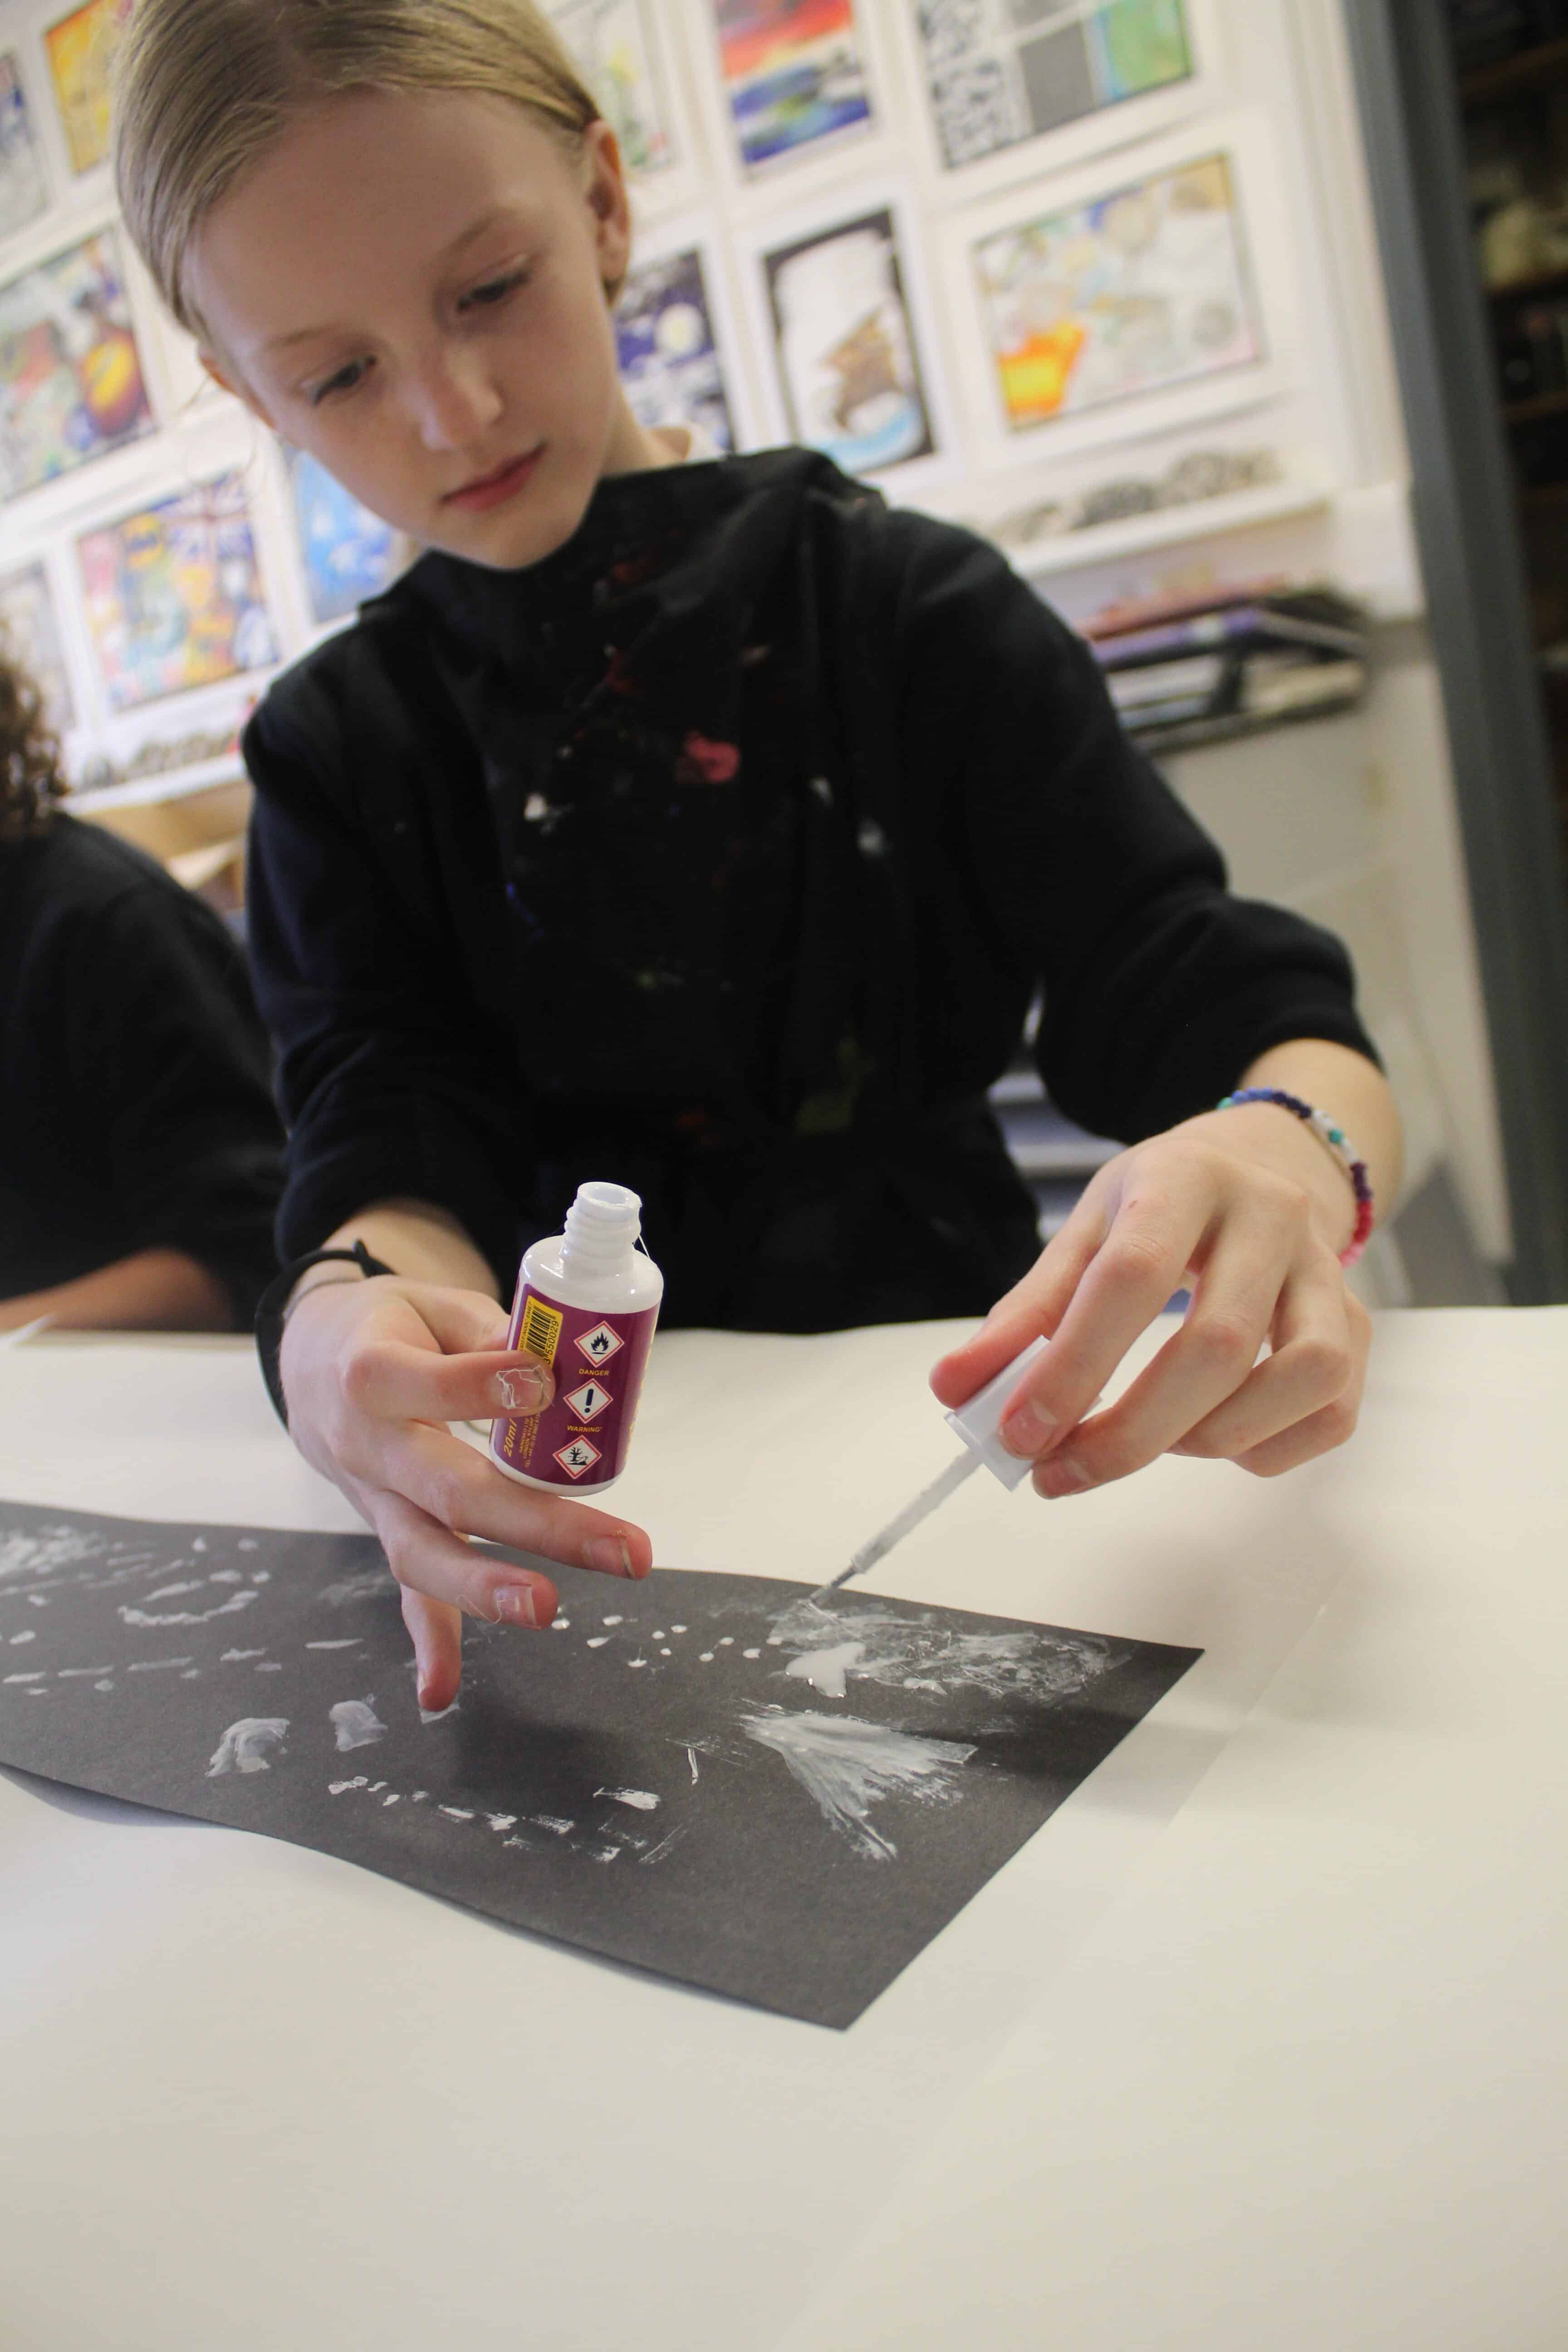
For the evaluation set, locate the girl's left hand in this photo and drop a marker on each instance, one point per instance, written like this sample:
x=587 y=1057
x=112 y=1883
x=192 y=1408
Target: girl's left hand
x=1240 y=1214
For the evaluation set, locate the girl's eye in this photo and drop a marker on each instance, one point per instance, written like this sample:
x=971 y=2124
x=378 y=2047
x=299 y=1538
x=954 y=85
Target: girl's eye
x=345 y=380
x=494 y=290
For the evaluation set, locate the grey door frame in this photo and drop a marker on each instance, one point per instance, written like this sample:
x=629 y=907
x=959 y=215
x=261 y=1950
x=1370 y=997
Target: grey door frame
x=1479 y=611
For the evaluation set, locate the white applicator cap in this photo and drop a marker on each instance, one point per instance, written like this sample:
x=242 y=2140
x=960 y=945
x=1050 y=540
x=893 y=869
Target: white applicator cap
x=978 y=1423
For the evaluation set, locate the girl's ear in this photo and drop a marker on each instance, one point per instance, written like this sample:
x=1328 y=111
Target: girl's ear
x=231 y=382
x=608 y=200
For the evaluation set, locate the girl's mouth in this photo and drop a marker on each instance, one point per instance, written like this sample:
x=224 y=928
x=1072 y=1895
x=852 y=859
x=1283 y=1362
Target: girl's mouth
x=491 y=489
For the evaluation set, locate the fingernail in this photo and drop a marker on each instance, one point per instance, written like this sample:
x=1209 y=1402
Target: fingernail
x=609 y=1554
x=529 y=1388
x=514 y=1602
x=1028 y=1431
x=1061 y=1475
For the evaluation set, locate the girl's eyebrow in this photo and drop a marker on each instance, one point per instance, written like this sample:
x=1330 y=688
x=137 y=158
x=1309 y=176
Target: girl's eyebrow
x=500 y=215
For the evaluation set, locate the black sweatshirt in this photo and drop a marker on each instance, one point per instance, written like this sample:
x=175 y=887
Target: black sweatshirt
x=136 y=1111
x=722 y=854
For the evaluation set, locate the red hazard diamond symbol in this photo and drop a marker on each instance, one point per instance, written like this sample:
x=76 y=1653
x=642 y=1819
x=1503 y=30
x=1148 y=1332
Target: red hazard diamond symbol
x=589 y=1401
x=578 y=1457
x=599 y=1344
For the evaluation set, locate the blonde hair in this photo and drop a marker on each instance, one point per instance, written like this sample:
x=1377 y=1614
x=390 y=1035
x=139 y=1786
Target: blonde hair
x=203 y=88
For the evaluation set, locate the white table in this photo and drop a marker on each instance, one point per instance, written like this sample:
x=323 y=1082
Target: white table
x=1259 y=2043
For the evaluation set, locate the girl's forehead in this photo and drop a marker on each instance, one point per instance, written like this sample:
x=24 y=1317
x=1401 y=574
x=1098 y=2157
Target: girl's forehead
x=361 y=196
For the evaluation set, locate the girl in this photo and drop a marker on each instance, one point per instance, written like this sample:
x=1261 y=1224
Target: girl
x=698 y=822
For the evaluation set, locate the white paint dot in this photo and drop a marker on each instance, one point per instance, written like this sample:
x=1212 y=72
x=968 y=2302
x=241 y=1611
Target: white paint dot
x=596 y=1641
x=726 y=1640
x=637 y=1661
x=751 y=1653
x=706 y=1658
x=678 y=1629
x=261 y=1576
x=110 y=1685
x=666 y=1653
x=248 y=1543
x=659 y=1633
x=612 y=1621
x=560 y=1624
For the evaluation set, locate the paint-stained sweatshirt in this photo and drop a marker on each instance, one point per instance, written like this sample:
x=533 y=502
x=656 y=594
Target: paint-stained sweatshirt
x=724 y=853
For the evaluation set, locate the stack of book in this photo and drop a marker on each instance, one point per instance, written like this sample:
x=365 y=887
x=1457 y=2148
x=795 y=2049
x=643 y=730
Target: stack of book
x=1198 y=670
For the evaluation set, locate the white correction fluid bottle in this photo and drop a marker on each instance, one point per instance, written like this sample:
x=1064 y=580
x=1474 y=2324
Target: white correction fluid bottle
x=587 y=1300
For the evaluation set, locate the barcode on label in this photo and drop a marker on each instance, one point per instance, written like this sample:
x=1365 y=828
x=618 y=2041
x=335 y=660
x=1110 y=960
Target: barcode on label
x=541 y=1330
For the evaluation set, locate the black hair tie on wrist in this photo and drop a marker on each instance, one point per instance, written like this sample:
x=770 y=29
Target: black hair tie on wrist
x=274 y=1300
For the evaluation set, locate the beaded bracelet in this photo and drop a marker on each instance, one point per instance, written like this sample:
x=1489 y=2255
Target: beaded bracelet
x=1334 y=1137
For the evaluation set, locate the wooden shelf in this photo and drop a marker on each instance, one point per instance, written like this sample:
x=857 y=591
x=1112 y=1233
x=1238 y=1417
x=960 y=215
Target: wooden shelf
x=1528 y=69
x=1526 y=412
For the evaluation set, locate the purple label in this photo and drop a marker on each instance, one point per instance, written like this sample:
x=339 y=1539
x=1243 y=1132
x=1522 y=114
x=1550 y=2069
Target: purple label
x=582 y=1440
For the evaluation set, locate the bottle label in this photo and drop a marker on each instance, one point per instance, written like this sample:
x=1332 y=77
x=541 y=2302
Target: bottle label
x=582 y=1439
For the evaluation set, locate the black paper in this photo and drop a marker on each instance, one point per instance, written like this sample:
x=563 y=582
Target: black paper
x=648 y=1779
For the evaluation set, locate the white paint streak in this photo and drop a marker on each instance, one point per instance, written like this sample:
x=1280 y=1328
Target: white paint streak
x=612 y=1621
x=28 y=1636
x=499 y=1822
x=355 y=1723
x=27 y=1678
x=349 y=1641
x=642 y=1800
x=394 y=1799
x=230 y=1657
x=658 y=1853
x=188 y=1616
x=825 y=1670
x=249 y=1745
x=156 y=1665
x=554 y=1823
x=847 y=1765
x=89 y=1674
x=455 y=1812
x=225 y=1576
x=691 y=1760
x=172 y=1592
x=336 y=1788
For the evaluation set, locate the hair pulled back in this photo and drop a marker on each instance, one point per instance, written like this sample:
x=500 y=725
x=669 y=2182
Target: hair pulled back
x=203 y=88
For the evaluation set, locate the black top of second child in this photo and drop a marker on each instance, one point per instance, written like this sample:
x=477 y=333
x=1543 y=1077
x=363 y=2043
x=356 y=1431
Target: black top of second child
x=723 y=854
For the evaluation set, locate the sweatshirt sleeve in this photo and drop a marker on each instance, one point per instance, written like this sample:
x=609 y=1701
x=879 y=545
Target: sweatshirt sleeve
x=383 y=1075
x=166 y=1043
x=1084 y=873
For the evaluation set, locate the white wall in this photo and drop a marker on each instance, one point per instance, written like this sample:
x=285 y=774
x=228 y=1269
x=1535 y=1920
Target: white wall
x=1351 y=820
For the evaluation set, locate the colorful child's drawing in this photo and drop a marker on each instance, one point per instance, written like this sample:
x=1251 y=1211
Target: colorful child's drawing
x=30 y=634
x=793 y=74
x=614 y=46
x=71 y=374
x=23 y=190
x=349 y=552
x=669 y=356
x=1135 y=291
x=998 y=75
x=845 y=349
x=173 y=599
x=81 y=49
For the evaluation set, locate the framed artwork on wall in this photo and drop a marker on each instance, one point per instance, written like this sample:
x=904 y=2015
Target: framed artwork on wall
x=29 y=632
x=24 y=190
x=846 y=345
x=1145 y=287
x=794 y=77
x=174 y=594
x=671 y=338
x=72 y=385
x=81 y=50
x=348 y=553
x=617 y=48
x=997 y=74
x=1138 y=295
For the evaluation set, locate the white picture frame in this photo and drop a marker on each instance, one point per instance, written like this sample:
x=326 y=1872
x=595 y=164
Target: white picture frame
x=996 y=437
x=697 y=233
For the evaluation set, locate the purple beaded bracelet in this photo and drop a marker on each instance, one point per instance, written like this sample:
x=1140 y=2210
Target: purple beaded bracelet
x=1322 y=1126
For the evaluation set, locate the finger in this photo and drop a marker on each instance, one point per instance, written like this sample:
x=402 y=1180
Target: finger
x=427 y=1558
x=1317 y=1354
x=1034 y=1305
x=453 y=1485
x=1318 y=1434
x=390 y=1378
x=1128 y=1283
x=1207 y=1359
x=437 y=1631
x=460 y=1321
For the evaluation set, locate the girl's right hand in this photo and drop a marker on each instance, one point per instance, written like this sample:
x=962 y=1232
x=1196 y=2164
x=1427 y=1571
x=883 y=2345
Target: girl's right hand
x=373 y=1371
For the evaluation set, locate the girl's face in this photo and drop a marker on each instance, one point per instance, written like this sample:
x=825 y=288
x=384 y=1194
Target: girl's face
x=413 y=290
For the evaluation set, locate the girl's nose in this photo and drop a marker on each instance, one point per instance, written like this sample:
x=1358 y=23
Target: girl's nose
x=453 y=399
